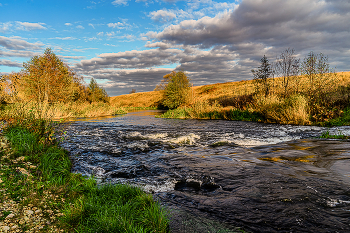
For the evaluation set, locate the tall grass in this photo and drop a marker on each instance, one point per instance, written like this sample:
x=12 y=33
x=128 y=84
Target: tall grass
x=205 y=110
x=290 y=110
x=60 y=110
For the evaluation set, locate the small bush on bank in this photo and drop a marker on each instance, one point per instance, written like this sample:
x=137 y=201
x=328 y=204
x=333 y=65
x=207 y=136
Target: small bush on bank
x=291 y=110
x=177 y=90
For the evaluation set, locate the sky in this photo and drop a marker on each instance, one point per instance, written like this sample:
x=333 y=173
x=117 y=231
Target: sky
x=132 y=44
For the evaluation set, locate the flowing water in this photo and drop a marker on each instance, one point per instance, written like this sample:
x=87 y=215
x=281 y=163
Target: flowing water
x=261 y=177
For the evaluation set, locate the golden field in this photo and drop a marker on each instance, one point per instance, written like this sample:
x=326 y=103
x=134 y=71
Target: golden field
x=297 y=104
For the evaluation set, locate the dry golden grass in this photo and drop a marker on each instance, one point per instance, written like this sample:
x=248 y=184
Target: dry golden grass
x=285 y=106
x=200 y=93
x=291 y=110
x=218 y=91
x=142 y=99
x=60 y=110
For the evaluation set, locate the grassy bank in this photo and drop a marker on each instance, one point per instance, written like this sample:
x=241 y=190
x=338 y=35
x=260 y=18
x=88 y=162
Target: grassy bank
x=150 y=99
x=56 y=111
x=334 y=136
x=39 y=194
x=324 y=101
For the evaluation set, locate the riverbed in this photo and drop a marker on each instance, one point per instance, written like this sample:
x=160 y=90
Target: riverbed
x=221 y=174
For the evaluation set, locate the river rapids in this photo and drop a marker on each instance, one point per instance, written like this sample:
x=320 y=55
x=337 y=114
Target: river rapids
x=219 y=175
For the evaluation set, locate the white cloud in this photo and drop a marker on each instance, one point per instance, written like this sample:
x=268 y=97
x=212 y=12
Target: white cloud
x=80 y=27
x=18 y=53
x=110 y=34
x=5 y=27
x=160 y=45
x=115 y=25
x=64 y=38
x=10 y=63
x=26 y=26
x=90 y=24
x=72 y=57
x=128 y=37
x=18 y=44
x=120 y=2
x=162 y=16
x=68 y=24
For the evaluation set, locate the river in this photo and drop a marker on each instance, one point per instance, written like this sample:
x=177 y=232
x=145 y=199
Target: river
x=217 y=175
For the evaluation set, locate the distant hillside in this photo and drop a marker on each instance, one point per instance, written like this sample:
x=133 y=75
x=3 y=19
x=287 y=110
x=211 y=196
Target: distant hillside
x=210 y=92
x=225 y=94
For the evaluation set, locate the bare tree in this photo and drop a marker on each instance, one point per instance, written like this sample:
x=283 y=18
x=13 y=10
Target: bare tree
x=316 y=68
x=287 y=66
x=265 y=71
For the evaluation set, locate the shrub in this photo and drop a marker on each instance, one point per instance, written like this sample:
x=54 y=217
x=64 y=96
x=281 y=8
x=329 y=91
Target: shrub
x=46 y=78
x=96 y=93
x=290 y=110
x=177 y=92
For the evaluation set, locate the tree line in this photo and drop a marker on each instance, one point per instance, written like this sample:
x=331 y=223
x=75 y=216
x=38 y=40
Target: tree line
x=46 y=78
x=311 y=78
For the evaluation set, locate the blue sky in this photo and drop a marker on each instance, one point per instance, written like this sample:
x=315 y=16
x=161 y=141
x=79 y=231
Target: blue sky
x=128 y=44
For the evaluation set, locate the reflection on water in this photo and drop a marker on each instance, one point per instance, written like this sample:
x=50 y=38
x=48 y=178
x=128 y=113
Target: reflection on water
x=262 y=177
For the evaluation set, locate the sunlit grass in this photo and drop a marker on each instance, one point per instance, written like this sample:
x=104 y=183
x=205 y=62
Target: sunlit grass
x=61 y=110
x=142 y=99
x=117 y=208
x=323 y=103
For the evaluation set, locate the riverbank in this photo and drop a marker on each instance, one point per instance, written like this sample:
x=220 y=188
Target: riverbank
x=58 y=111
x=227 y=171
x=324 y=102
x=39 y=194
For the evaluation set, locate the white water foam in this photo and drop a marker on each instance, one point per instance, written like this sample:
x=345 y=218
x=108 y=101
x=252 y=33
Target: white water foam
x=189 y=139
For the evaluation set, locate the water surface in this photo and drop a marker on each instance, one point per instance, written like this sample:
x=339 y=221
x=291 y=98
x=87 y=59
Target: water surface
x=262 y=177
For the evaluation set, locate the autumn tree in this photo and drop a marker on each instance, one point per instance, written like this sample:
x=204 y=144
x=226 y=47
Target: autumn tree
x=2 y=91
x=11 y=87
x=48 y=79
x=166 y=79
x=96 y=93
x=177 y=90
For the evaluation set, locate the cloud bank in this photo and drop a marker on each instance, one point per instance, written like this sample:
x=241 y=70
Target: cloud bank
x=227 y=46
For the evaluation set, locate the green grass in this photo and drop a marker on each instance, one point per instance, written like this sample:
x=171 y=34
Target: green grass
x=233 y=115
x=336 y=136
x=35 y=172
x=243 y=115
x=118 y=208
x=180 y=113
x=344 y=119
